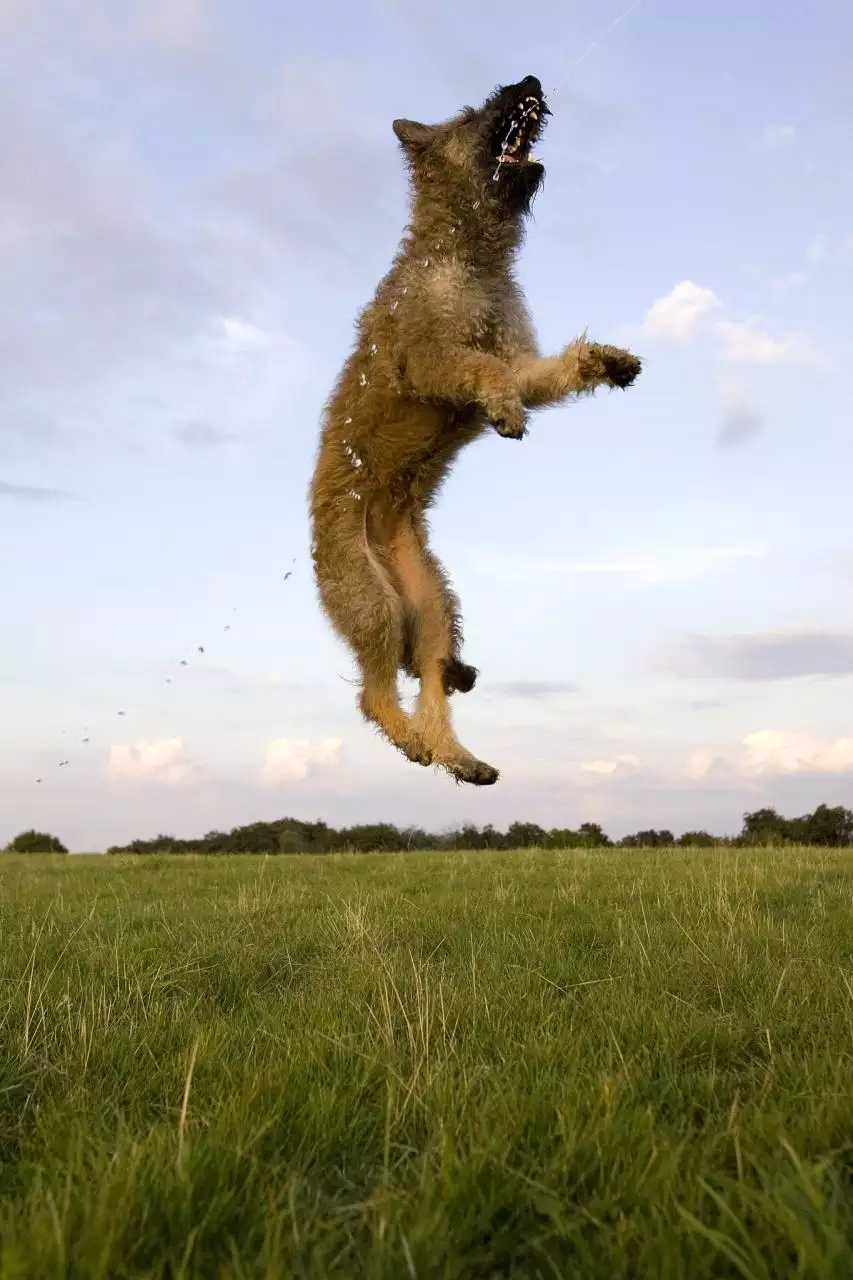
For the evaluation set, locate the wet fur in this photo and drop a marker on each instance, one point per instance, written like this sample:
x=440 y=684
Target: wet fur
x=444 y=351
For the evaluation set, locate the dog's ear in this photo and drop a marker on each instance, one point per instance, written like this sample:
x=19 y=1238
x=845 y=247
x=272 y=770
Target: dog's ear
x=414 y=136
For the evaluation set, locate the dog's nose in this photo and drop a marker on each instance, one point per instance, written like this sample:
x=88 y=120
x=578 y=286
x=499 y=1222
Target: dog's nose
x=533 y=84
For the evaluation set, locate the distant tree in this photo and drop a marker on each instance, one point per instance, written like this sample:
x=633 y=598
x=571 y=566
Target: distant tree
x=650 y=839
x=373 y=837
x=290 y=840
x=213 y=842
x=564 y=838
x=165 y=844
x=35 y=842
x=415 y=838
x=826 y=826
x=526 y=835
x=765 y=826
x=592 y=834
x=464 y=838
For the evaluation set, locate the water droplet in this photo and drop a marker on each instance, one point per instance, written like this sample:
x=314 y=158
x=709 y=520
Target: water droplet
x=394 y=306
x=347 y=421
x=476 y=204
x=373 y=348
x=363 y=380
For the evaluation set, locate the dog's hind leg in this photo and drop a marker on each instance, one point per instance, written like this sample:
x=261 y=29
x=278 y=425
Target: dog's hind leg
x=434 y=629
x=368 y=612
x=458 y=676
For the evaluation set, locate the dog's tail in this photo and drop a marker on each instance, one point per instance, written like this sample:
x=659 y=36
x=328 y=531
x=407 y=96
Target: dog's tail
x=380 y=572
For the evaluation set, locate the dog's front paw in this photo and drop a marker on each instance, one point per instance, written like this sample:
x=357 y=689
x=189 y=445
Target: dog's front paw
x=506 y=413
x=618 y=368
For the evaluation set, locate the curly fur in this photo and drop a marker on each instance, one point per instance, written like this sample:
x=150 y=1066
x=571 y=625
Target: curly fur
x=445 y=350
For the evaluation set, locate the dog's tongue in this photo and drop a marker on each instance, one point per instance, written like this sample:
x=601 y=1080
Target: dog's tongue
x=516 y=157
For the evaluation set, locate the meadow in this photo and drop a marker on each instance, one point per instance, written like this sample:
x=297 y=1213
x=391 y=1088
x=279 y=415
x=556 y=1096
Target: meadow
x=604 y=1063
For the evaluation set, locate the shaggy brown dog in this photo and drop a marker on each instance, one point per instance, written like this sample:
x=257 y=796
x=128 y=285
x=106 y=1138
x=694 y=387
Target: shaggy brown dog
x=445 y=349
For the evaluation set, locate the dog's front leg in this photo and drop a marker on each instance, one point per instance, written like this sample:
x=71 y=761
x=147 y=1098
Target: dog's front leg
x=462 y=375
x=578 y=370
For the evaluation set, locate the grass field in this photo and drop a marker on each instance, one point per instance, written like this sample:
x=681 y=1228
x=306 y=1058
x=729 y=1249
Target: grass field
x=613 y=1063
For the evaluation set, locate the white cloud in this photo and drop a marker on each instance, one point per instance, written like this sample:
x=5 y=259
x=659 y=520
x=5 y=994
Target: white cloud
x=292 y=759
x=746 y=342
x=652 y=568
x=684 y=314
x=242 y=374
x=243 y=336
x=818 y=250
x=339 y=145
x=773 y=753
x=790 y=280
x=699 y=763
x=778 y=135
x=151 y=761
x=11 y=11
x=177 y=26
x=742 y=418
x=610 y=766
x=101 y=284
x=677 y=316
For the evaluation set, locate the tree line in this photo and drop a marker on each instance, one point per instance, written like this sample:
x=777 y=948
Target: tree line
x=827 y=826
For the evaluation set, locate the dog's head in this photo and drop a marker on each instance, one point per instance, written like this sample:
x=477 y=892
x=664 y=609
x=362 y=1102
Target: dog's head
x=487 y=151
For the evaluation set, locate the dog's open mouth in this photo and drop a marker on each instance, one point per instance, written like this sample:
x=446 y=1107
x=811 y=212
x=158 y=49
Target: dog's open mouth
x=518 y=131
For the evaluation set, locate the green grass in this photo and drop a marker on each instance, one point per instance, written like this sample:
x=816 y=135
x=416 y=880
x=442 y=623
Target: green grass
x=613 y=1063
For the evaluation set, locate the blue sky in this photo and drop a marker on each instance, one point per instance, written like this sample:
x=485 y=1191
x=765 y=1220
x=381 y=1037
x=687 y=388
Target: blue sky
x=195 y=200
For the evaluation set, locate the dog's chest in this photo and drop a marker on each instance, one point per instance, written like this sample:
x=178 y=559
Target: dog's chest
x=494 y=321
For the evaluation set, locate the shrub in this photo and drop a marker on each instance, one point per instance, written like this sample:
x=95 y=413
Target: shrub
x=35 y=842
